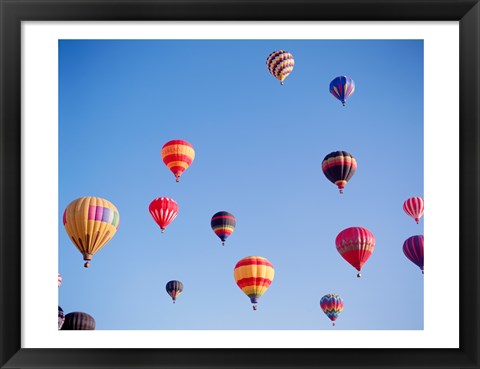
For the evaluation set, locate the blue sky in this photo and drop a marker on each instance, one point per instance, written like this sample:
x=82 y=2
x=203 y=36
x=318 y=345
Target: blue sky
x=259 y=148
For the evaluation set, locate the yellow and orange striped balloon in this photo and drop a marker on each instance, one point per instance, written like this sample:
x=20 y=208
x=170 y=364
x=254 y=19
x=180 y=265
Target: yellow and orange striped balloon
x=177 y=156
x=90 y=223
x=253 y=275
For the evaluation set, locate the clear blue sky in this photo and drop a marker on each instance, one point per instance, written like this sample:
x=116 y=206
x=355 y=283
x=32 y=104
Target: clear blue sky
x=259 y=148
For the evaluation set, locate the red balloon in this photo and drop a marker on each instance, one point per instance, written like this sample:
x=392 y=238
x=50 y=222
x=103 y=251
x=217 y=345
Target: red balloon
x=414 y=207
x=163 y=210
x=355 y=244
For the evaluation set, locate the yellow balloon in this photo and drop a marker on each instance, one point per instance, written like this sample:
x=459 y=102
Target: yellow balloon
x=253 y=275
x=90 y=223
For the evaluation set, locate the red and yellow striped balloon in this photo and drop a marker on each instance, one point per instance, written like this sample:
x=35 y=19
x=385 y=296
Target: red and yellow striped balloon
x=90 y=223
x=177 y=156
x=253 y=275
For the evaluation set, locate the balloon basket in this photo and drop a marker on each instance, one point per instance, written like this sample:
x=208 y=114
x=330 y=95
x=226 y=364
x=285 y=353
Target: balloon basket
x=254 y=307
x=359 y=275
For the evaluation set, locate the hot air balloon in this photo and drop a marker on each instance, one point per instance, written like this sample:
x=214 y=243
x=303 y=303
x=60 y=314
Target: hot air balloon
x=280 y=64
x=342 y=88
x=163 y=210
x=61 y=317
x=339 y=167
x=177 y=156
x=332 y=306
x=78 y=321
x=223 y=223
x=174 y=289
x=413 y=250
x=355 y=244
x=60 y=279
x=414 y=207
x=253 y=275
x=90 y=223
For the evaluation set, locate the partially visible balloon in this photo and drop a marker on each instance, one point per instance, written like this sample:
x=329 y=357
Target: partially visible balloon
x=61 y=317
x=223 y=224
x=342 y=88
x=90 y=223
x=78 y=321
x=163 y=211
x=174 y=289
x=280 y=64
x=355 y=244
x=177 y=156
x=253 y=275
x=60 y=279
x=414 y=207
x=413 y=250
x=339 y=167
x=332 y=306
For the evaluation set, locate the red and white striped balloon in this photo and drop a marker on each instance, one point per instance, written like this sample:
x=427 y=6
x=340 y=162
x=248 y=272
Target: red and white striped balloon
x=59 y=279
x=163 y=210
x=414 y=207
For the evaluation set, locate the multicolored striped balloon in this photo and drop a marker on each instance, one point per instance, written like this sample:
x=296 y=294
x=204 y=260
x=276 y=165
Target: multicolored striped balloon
x=223 y=224
x=332 y=306
x=253 y=275
x=174 y=289
x=90 y=223
x=414 y=207
x=78 y=321
x=163 y=210
x=60 y=279
x=342 y=88
x=339 y=167
x=61 y=317
x=413 y=250
x=177 y=156
x=280 y=64
x=356 y=245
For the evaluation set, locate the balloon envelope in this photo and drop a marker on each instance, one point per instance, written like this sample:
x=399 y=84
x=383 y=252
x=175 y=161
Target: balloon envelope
x=332 y=305
x=223 y=224
x=163 y=210
x=355 y=244
x=253 y=275
x=90 y=222
x=414 y=208
x=342 y=88
x=174 y=289
x=60 y=279
x=78 y=321
x=280 y=64
x=339 y=167
x=61 y=317
x=413 y=250
x=178 y=155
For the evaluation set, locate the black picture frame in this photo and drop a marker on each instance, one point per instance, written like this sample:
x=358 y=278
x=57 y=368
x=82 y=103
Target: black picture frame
x=13 y=12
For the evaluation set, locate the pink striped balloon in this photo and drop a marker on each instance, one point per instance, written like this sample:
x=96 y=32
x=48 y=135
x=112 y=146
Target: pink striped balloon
x=163 y=210
x=414 y=207
x=59 y=279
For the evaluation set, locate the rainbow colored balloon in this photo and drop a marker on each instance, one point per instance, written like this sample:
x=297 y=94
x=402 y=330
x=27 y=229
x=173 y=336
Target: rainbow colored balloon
x=90 y=222
x=223 y=224
x=342 y=88
x=178 y=155
x=253 y=275
x=280 y=64
x=332 y=306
